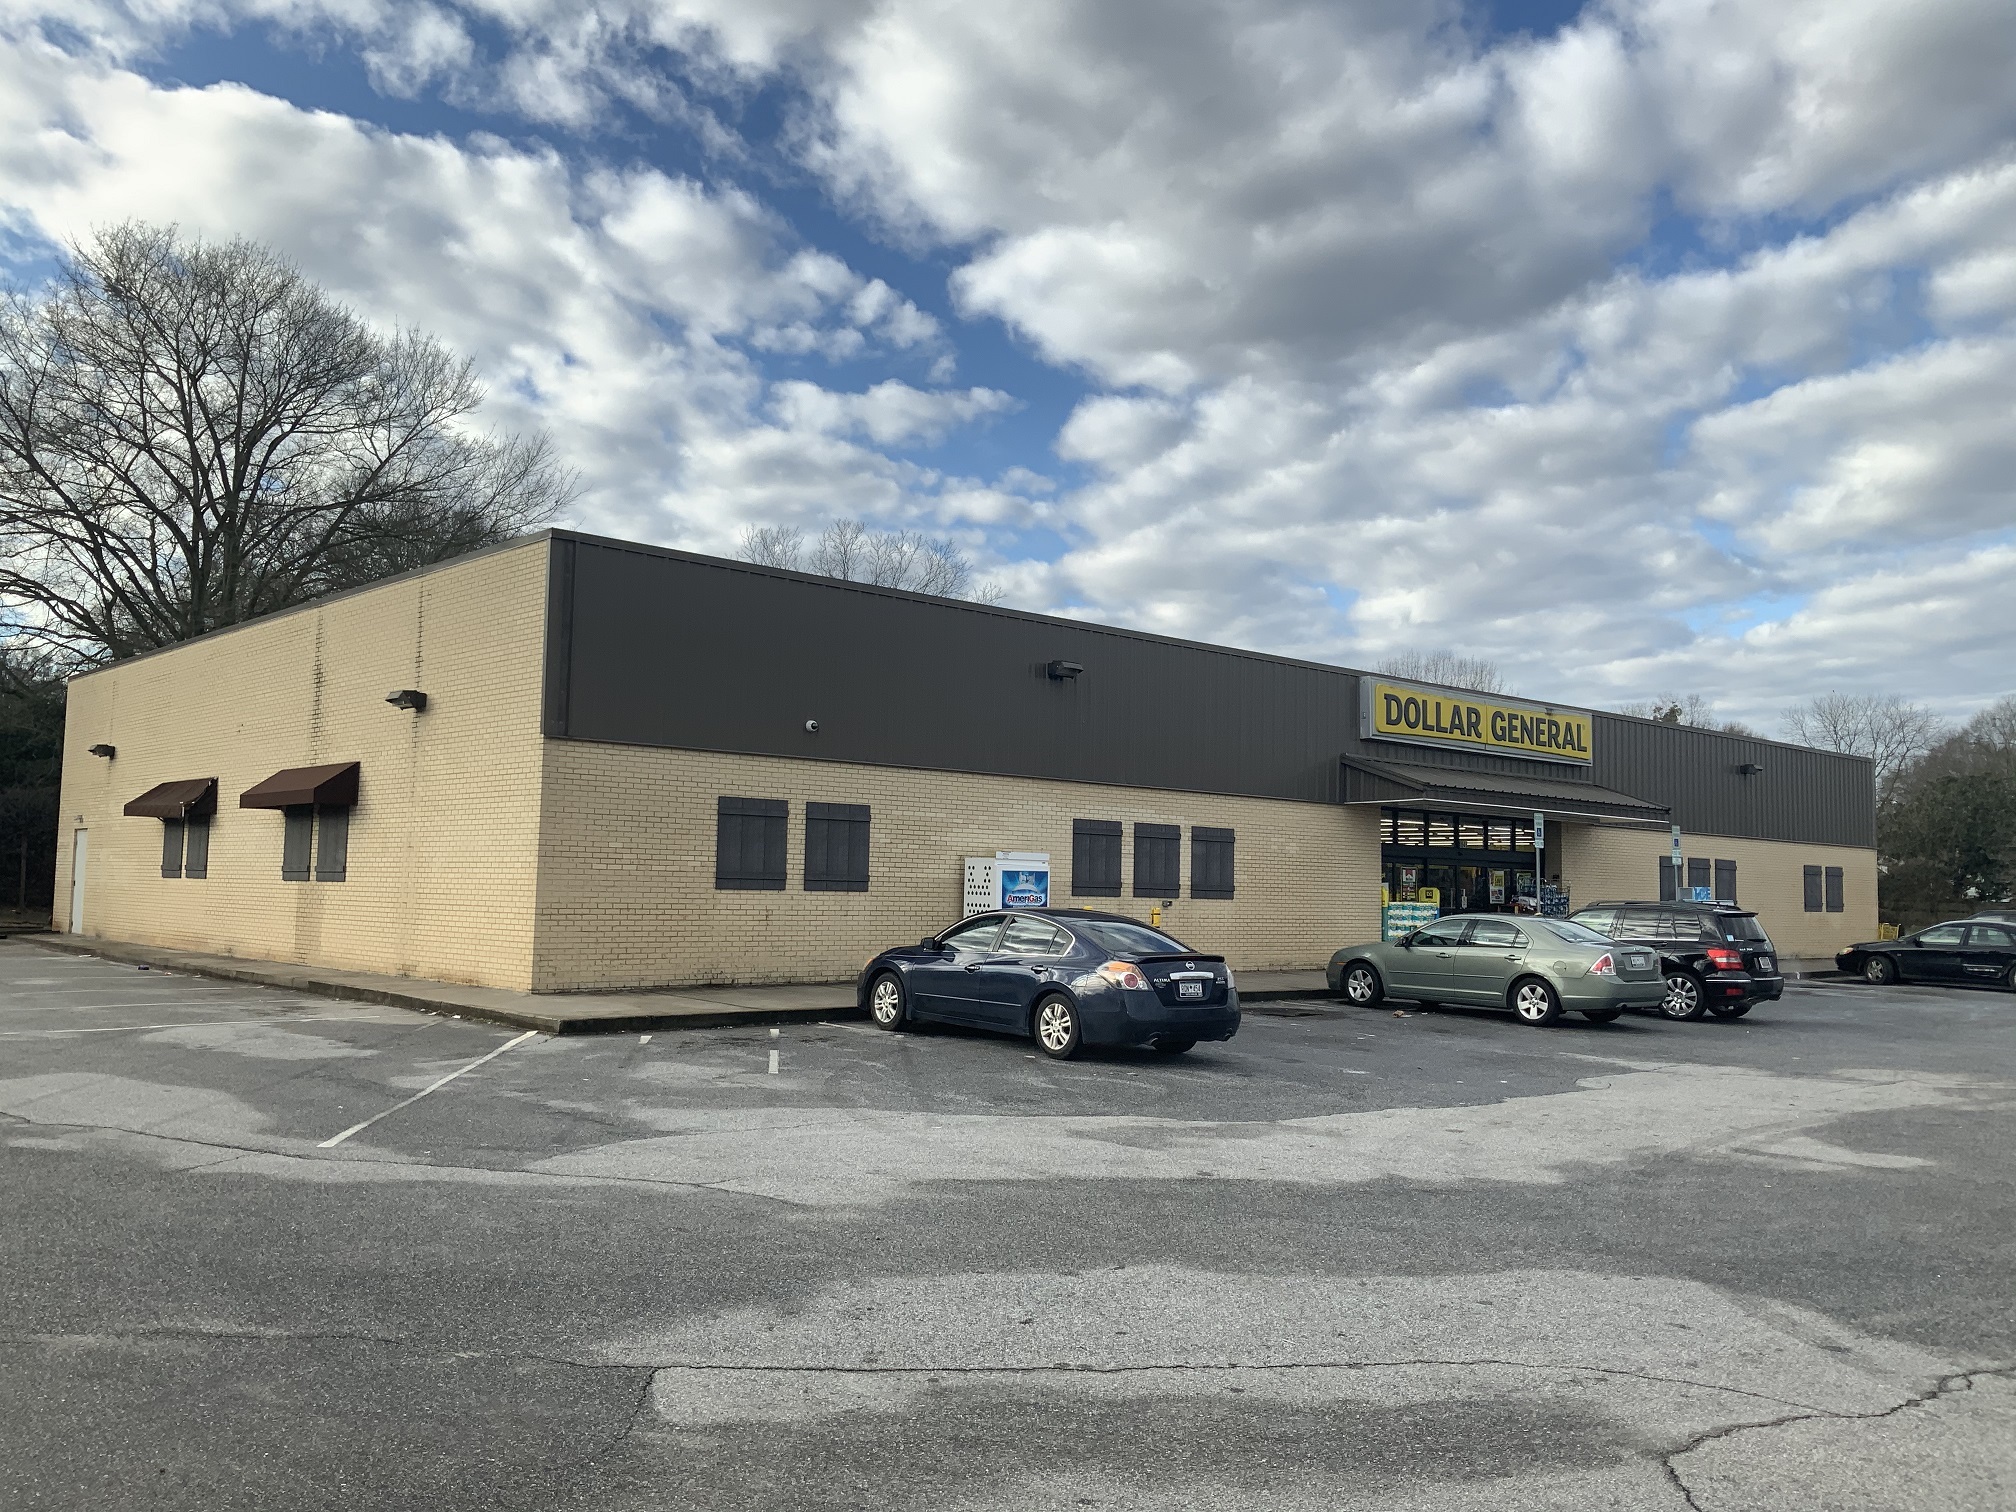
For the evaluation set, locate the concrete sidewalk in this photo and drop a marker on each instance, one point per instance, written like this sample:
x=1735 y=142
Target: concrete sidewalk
x=568 y=1012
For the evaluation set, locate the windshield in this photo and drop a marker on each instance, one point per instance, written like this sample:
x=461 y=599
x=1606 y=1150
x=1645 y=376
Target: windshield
x=1127 y=939
x=1742 y=927
x=1573 y=933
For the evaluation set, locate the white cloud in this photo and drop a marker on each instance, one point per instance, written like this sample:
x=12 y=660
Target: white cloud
x=890 y=414
x=612 y=307
x=1351 y=286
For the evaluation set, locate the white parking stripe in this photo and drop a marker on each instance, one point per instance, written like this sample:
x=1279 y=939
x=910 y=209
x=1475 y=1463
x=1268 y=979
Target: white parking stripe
x=330 y=1144
x=306 y=1018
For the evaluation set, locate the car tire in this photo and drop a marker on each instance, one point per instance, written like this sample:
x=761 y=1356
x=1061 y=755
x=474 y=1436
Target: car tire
x=1535 y=1002
x=888 y=1003
x=1686 y=999
x=1879 y=971
x=1054 y=1026
x=1175 y=1046
x=1361 y=985
x=1731 y=1010
x=1602 y=1015
x=2009 y=979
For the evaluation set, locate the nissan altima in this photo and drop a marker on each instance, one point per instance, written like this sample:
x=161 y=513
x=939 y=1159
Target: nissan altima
x=1064 y=977
x=1539 y=968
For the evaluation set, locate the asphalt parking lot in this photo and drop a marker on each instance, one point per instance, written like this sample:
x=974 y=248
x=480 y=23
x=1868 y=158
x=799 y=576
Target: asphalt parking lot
x=1351 y=1259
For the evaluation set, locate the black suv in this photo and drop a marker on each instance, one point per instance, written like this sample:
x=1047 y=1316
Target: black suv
x=1716 y=957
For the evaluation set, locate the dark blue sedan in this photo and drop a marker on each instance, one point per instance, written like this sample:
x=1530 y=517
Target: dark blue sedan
x=1064 y=977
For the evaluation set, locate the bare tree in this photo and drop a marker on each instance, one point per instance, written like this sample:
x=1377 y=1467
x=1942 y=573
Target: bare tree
x=192 y=434
x=1691 y=709
x=848 y=549
x=1891 y=731
x=1446 y=669
x=1994 y=726
x=772 y=545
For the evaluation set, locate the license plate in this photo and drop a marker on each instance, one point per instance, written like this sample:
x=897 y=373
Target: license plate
x=1637 y=961
x=1763 y=963
x=1190 y=989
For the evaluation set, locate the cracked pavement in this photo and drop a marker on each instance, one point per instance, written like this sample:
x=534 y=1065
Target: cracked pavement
x=1346 y=1261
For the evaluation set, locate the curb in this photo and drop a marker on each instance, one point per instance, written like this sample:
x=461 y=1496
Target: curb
x=555 y=1023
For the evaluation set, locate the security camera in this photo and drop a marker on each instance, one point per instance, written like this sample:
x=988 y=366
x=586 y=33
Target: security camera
x=811 y=727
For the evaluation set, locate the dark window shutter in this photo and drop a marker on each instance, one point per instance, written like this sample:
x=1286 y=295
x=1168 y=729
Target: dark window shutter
x=196 y=848
x=332 y=844
x=297 y=844
x=1210 y=862
x=1815 y=901
x=1157 y=860
x=836 y=847
x=1667 y=882
x=1725 y=881
x=1095 y=858
x=1835 y=902
x=1697 y=871
x=171 y=847
x=749 y=844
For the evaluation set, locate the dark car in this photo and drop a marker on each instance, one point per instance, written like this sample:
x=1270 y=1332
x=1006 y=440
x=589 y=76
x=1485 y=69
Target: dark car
x=1716 y=957
x=1064 y=977
x=1971 y=952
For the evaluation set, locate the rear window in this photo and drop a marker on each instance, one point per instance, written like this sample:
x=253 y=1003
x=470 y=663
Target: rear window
x=1569 y=930
x=1128 y=939
x=1742 y=927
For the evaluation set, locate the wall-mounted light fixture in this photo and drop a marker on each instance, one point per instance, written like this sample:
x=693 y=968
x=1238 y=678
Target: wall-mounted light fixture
x=407 y=698
x=102 y=749
x=1749 y=769
x=1063 y=671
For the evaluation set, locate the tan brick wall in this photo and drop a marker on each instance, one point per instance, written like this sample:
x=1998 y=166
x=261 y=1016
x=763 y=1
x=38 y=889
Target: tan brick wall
x=1603 y=862
x=443 y=841
x=627 y=896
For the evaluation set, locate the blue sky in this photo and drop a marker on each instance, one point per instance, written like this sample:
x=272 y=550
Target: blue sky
x=1642 y=348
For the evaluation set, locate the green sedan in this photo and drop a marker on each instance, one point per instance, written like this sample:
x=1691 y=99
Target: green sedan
x=1539 y=968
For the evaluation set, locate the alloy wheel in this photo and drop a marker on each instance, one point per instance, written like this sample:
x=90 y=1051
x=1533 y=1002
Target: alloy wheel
x=1534 y=1003
x=1878 y=969
x=885 y=1002
x=1056 y=1026
x=1683 y=997
x=1360 y=987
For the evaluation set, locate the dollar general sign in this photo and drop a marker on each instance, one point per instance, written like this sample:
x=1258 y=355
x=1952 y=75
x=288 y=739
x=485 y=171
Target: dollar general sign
x=1438 y=717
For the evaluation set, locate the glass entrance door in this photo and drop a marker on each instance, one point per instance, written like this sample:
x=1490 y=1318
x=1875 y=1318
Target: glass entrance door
x=1463 y=863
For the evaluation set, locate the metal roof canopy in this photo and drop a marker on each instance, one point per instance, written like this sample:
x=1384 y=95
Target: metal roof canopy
x=186 y=798
x=332 y=786
x=1369 y=782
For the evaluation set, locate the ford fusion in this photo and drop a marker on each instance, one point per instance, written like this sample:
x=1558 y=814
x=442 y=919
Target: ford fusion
x=1064 y=977
x=1539 y=968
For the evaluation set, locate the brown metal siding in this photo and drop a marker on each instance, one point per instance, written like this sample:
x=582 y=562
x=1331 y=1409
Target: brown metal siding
x=657 y=648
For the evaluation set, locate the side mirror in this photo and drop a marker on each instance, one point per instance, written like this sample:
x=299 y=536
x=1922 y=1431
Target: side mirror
x=931 y=943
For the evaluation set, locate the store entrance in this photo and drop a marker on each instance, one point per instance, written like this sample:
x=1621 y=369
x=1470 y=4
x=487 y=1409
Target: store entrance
x=1461 y=863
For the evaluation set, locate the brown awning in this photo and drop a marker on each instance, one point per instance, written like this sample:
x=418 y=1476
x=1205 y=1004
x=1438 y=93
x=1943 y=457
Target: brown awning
x=191 y=798
x=335 y=786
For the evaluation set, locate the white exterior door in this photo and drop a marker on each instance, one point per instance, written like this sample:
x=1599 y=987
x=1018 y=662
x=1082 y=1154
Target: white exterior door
x=77 y=850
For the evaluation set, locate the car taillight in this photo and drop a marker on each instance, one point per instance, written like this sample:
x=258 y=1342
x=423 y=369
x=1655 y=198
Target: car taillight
x=1124 y=974
x=1604 y=967
x=1725 y=960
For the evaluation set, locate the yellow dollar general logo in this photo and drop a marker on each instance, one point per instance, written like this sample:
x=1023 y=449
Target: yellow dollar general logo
x=1435 y=716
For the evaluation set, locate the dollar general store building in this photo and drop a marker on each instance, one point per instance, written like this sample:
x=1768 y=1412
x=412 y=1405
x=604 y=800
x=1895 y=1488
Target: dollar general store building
x=614 y=766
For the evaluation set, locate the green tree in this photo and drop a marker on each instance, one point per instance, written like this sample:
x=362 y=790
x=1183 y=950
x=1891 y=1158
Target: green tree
x=31 y=761
x=1947 y=837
